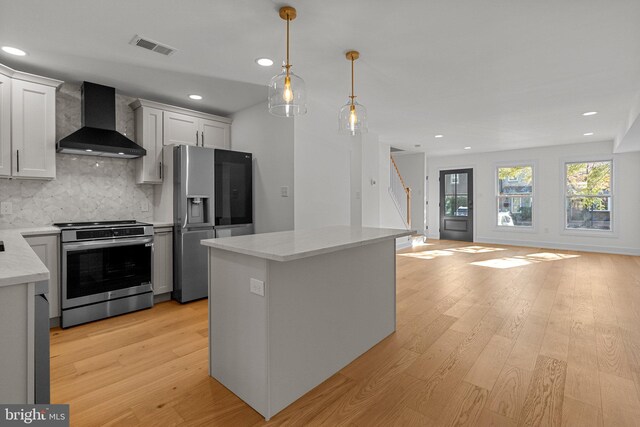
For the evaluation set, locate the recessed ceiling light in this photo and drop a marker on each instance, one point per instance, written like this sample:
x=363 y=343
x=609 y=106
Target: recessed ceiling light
x=588 y=134
x=264 y=62
x=122 y=154
x=88 y=150
x=438 y=136
x=14 y=51
x=467 y=148
x=196 y=97
x=590 y=113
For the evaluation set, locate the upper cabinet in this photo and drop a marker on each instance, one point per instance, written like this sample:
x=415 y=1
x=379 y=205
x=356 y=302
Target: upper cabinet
x=159 y=125
x=5 y=125
x=149 y=169
x=180 y=129
x=27 y=125
x=215 y=134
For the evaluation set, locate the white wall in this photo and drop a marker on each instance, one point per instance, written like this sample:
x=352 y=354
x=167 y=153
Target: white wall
x=322 y=170
x=548 y=197
x=413 y=168
x=270 y=139
x=370 y=180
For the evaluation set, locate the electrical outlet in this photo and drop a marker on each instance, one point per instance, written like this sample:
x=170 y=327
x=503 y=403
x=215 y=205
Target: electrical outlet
x=284 y=191
x=256 y=287
x=144 y=206
x=6 y=208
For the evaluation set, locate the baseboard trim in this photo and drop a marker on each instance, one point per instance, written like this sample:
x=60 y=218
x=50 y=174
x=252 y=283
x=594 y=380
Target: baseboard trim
x=560 y=246
x=402 y=244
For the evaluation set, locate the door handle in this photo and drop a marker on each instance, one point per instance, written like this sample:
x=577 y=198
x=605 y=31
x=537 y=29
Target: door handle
x=18 y=160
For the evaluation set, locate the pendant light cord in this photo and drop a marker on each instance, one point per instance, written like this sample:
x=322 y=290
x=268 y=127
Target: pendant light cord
x=352 y=84
x=288 y=66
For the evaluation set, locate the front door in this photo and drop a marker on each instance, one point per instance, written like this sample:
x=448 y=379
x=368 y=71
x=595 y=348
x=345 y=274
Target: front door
x=456 y=205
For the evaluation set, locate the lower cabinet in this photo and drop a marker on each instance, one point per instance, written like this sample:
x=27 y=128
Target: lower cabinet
x=162 y=261
x=46 y=247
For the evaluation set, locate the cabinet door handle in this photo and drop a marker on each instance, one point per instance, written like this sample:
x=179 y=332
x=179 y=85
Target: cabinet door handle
x=196 y=138
x=202 y=139
x=160 y=167
x=18 y=160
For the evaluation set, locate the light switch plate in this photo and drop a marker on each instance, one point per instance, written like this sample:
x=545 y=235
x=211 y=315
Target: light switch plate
x=6 y=208
x=256 y=287
x=284 y=191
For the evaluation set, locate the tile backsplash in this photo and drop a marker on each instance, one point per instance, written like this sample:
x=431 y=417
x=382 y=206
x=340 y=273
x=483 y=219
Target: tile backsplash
x=86 y=188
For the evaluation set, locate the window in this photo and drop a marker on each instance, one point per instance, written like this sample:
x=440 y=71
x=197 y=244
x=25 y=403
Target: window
x=515 y=196
x=588 y=195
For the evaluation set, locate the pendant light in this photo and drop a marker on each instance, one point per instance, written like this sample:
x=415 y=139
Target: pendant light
x=287 y=92
x=352 y=119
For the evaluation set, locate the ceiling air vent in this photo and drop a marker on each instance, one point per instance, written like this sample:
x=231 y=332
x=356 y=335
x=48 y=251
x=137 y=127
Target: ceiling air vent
x=152 y=45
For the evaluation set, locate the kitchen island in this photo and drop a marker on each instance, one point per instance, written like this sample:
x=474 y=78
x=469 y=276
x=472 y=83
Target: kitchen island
x=287 y=310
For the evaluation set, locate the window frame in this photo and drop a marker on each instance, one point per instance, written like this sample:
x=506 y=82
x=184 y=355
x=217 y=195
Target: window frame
x=534 y=210
x=611 y=232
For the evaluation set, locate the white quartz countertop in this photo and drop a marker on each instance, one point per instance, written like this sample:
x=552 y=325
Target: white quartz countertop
x=31 y=230
x=297 y=244
x=18 y=262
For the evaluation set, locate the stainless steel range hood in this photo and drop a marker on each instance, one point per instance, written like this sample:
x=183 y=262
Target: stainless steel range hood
x=98 y=135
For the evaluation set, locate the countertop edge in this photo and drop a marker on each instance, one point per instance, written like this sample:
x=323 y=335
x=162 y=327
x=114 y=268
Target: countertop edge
x=284 y=258
x=16 y=240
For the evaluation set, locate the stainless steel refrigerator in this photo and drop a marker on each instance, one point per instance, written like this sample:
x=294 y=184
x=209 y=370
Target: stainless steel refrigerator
x=211 y=189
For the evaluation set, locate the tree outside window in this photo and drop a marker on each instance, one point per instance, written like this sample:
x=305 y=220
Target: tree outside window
x=588 y=195
x=515 y=196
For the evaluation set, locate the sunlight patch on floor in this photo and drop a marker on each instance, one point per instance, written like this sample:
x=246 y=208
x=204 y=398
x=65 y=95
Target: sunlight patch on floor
x=419 y=244
x=522 y=260
x=503 y=262
x=476 y=249
x=426 y=254
x=549 y=256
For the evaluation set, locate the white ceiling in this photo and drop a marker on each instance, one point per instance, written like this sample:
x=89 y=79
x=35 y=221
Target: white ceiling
x=493 y=75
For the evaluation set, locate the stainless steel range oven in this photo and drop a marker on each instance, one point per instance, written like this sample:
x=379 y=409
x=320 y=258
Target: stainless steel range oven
x=106 y=269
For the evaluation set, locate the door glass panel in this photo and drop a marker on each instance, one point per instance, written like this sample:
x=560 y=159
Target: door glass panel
x=94 y=271
x=456 y=201
x=462 y=196
x=450 y=183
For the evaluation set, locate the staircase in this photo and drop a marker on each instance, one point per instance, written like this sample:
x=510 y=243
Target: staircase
x=400 y=194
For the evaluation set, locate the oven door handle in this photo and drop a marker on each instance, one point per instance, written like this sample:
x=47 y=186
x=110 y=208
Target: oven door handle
x=76 y=246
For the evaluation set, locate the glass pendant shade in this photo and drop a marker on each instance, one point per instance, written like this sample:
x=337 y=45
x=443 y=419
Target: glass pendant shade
x=287 y=95
x=352 y=119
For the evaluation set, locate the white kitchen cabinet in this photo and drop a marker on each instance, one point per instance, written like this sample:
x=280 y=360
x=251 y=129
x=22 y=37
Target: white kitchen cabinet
x=47 y=249
x=160 y=125
x=185 y=129
x=149 y=168
x=27 y=125
x=162 y=261
x=214 y=134
x=180 y=129
x=33 y=130
x=5 y=125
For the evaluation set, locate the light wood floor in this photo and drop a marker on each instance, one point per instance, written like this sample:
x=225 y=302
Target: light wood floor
x=486 y=335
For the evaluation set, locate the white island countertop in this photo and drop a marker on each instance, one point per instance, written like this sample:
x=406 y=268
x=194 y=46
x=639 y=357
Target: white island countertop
x=297 y=244
x=18 y=262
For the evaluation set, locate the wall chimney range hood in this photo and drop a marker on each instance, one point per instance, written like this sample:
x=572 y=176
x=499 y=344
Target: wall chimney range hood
x=98 y=135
